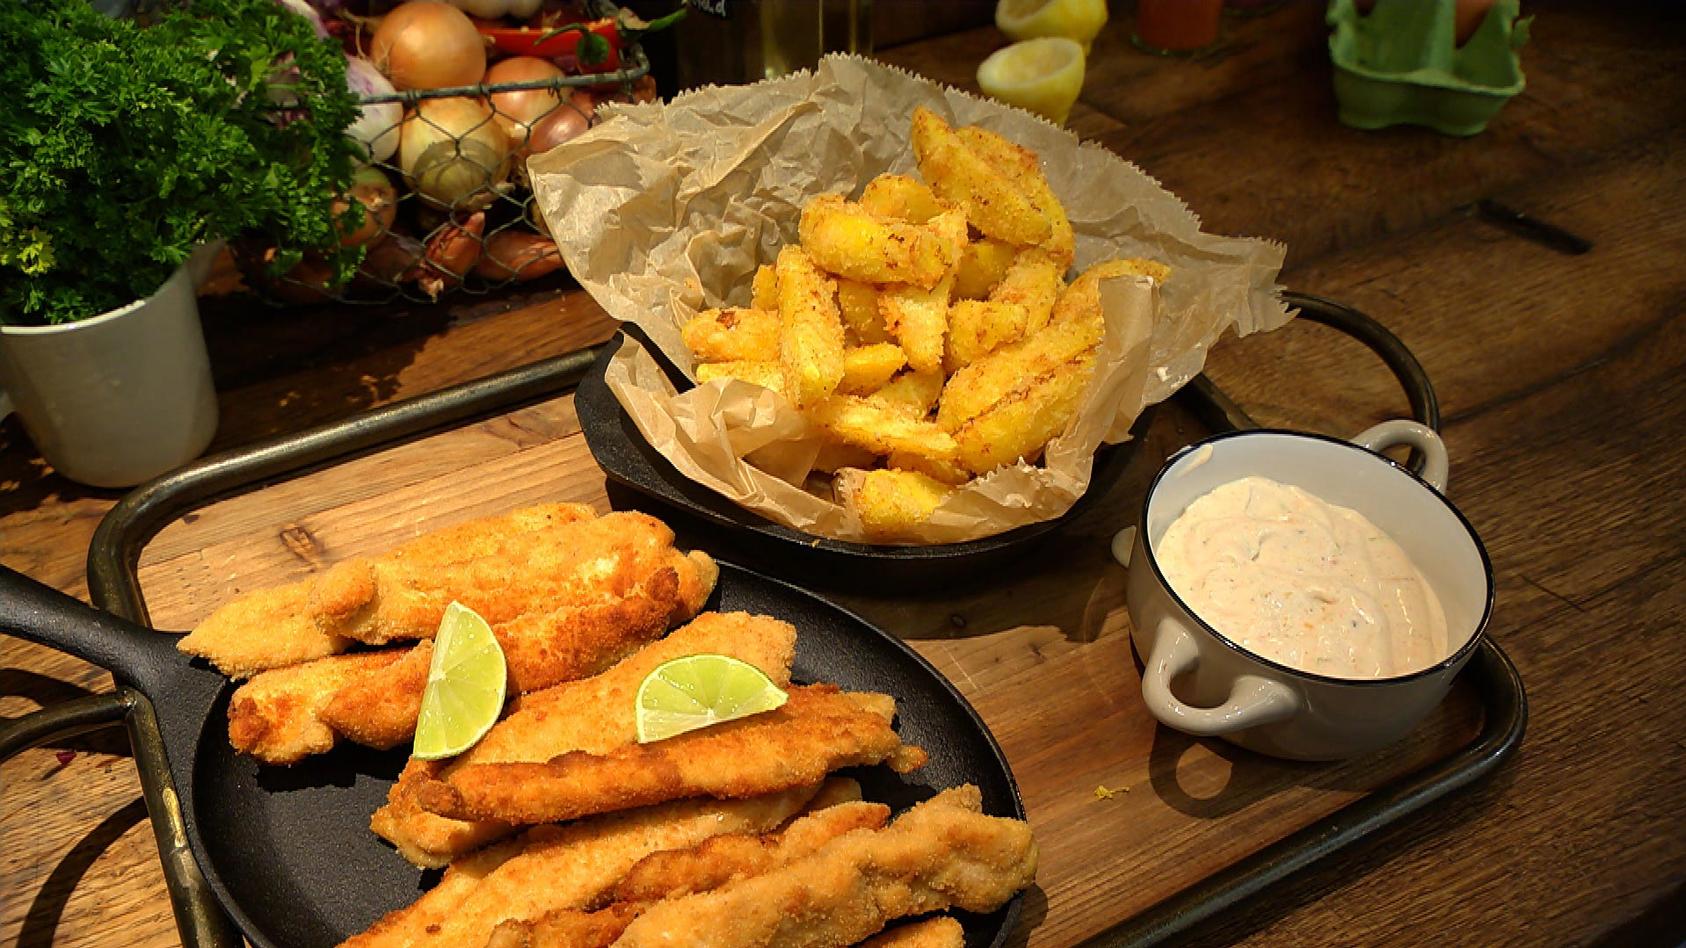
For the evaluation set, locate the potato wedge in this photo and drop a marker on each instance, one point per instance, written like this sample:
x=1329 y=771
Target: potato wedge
x=810 y=330
x=867 y=369
x=879 y=428
x=859 y=304
x=1082 y=299
x=835 y=455
x=949 y=472
x=732 y=334
x=912 y=393
x=956 y=173
x=769 y=375
x=902 y=198
x=1005 y=373
x=918 y=319
x=891 y=504
x=845 y=239
x=1033 y=281
x=982 y=265
x=1025 y=170
x=1021 y=425
x=764 y=290
x=976 y=328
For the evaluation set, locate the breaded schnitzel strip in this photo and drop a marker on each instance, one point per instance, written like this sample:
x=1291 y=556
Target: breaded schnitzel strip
x=940 y=854
x=277 y=716
x=530 y=562
x=715 y=862
x=820 y=729
x=567 y=928
x=939 y=932
x=561 y=867
x=264 y=629
x=592 y=714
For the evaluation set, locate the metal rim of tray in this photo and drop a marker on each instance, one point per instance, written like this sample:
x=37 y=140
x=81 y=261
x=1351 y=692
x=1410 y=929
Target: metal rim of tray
x=114 y=556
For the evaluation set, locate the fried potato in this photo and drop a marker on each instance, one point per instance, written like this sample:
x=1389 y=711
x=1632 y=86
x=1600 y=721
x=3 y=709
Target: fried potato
x=1082 y=299
x=834 y=456
x=918 y=319
x=764 y=290
x=867 y=369
x=977 y=328
x=892 y=504
x=880 y=429
x=949 y=472
x=1021 y=424
x=1022 y=167
x=901 y=197
x=810 y=329
x=992 y=202
x=912 y=393
x=769 y=375
x=1013 y=368
x=859 y=304
x=845 y=239
x=732 y=335
x=982 y=265
x=1033 y=280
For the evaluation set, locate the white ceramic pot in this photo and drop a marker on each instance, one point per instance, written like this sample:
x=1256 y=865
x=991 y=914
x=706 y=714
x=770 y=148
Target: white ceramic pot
x=117 y=399
x=1198 y=681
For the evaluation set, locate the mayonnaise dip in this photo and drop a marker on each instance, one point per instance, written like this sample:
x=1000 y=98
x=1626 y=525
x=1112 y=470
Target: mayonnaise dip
x=1302 y=582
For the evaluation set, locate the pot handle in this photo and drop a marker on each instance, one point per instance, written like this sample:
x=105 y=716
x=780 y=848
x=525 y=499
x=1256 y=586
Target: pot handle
x=1252 y=701
x=1414 y=434
x=38 y=613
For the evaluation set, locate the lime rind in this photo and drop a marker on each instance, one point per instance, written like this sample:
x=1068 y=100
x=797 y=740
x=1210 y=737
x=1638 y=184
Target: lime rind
x=466 y=686
x=698 y=691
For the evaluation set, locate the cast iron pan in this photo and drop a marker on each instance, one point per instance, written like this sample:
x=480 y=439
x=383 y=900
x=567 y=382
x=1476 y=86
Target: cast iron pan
x=629 y=461
x=288 y=850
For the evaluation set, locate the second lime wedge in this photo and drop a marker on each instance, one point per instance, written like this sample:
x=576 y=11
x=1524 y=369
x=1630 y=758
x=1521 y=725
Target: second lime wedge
x=696 y=691
x=465 y=686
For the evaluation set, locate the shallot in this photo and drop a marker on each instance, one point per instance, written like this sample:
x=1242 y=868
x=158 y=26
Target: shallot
x=518 y=254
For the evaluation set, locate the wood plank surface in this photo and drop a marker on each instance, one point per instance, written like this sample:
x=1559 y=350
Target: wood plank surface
x=1561 y=379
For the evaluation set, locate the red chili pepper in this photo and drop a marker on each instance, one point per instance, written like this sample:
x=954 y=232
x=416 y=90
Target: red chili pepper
x=532 y=41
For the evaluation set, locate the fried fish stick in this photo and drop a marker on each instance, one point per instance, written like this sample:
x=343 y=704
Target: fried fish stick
x=567 y=928
x=939 y=932
x=810 y=329
x=961 y=176
x=264 y=629
x=938 y=855
x=858 y=303
x=277 y=716
x=892 y=504
x=594 y=715
x=976 y=328
x=768 y=375
x=764 y=289
x=911 y=393
x=982 y=265
x=498 y=567
x=867 y=369
x=820 y=729
x=844 y=238
x=1025 y=170
x=1033 y=280
x=732 y=334
x=881 y=429
x=901 y=197
x=723 y=859
x=564 y=867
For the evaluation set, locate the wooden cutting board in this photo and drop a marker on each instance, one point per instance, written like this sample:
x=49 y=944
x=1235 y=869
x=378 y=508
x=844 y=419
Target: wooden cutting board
x=1126 y=812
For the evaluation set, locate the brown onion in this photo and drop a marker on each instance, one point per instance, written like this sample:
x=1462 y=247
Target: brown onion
x=518 y=254
x=517 y=111
x=452 y=152
x=370 y=187
x=424 y=44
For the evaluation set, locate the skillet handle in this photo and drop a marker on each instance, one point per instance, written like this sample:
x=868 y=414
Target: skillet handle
x=38 y=613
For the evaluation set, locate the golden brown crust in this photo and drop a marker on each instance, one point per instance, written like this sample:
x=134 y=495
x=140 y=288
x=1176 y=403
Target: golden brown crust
x=277 y=716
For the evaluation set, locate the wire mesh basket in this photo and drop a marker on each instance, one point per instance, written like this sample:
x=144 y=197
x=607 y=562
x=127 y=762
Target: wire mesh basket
x=449 y=207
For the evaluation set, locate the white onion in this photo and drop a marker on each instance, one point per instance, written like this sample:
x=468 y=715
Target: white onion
x=376 y=128
x=452 y=153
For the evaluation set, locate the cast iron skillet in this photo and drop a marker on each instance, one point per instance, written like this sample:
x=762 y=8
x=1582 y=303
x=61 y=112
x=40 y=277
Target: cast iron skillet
x=630 y=463
x=288 y=850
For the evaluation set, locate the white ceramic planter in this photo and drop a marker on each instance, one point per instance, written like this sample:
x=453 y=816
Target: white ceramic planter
x=117 y=399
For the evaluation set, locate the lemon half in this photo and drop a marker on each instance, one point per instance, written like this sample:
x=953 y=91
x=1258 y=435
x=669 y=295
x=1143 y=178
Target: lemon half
x=1040 y=75
x=1079 y=20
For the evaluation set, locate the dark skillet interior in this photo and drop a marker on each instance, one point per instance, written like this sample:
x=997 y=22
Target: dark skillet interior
x=290 y=849
x=629 y=461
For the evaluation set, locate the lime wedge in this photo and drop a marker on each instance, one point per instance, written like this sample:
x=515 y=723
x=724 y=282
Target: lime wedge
x=695 y=691
x=465 y=686
x=1076 y=20
x=1040 y=75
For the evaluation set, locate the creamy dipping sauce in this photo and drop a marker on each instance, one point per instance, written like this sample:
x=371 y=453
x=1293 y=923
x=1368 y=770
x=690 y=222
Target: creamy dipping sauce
x=1302 y=582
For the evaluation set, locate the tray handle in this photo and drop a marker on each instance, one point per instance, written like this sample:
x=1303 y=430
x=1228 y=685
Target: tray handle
x=66 y=719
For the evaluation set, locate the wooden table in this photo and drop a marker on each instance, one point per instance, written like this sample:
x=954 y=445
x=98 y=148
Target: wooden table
x=1561 y=379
